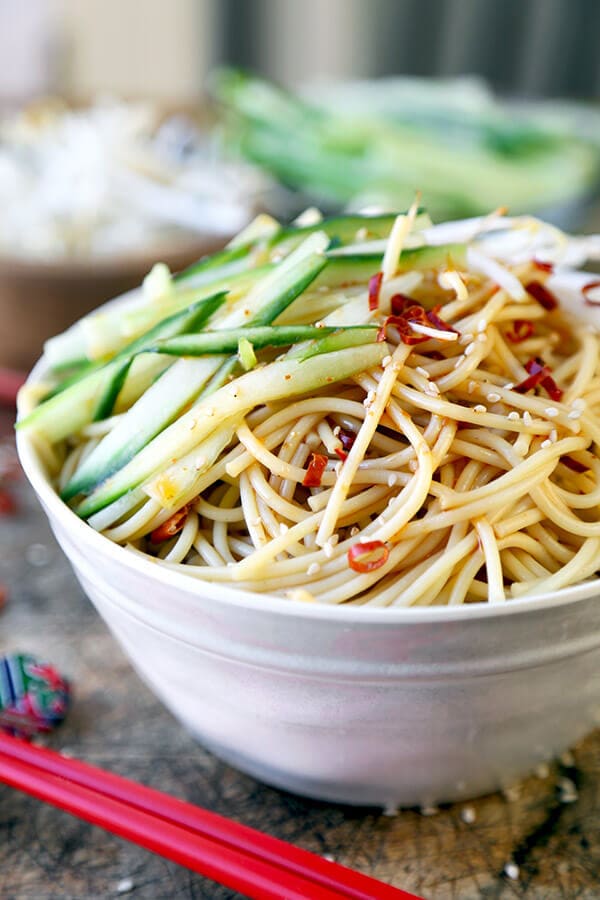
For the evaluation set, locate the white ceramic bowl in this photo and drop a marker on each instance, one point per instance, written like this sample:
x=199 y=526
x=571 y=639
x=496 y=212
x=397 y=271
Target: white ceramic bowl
x=359 y=705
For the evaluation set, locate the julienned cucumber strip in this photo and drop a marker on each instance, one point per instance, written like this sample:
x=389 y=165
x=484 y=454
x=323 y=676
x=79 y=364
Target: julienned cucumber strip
x=338 y=339
x=226 y=340
x=230 y=261
x=176 y=487
x=76 y=406
x=111 y=391
x=284 y=378
x=182 y=383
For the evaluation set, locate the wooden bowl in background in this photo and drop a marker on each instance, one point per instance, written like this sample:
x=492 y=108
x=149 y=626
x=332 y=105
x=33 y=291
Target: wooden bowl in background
x=39 y=299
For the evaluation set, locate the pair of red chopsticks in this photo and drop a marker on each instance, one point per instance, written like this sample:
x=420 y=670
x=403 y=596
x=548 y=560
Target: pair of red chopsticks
x=256 y=864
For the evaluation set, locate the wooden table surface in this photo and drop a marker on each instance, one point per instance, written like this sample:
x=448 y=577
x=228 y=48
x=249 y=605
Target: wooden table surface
x=116 y=723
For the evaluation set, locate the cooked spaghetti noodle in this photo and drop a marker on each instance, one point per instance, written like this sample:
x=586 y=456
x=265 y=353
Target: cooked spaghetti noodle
x=462 y=468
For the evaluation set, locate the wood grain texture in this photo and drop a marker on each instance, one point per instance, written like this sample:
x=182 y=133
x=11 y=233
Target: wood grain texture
x=117 y=723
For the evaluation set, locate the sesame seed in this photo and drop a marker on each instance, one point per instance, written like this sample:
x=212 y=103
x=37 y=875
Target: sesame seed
x=527 y=418
x=513 y=415
x=334 y=539
x=482 y=325
x=508 y=386
x=413 y=465
x=511 y=870
x=125 y=886
x=313 y=569
x=482 y=337
x=469 y=349
x=386 y=361
x=545 y=444
x=553 y=435
x=283 y=528
x=493 y=397
x=574 y=414
x=472 y=387
x=328 y=549
x=392 y=479
x=468 y=815
x=579 y=403
x=480 y=408
x=465 y=338
x=354 y=531
x=422 y=371
x=551 y=412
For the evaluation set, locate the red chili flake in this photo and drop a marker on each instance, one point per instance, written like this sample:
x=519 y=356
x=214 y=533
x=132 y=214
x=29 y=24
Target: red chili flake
x=574 y=464
x=374 y=288
x=589 y=287
x=400 y=303
x=543 y=266
x=521 y=330
x=406 y=311
x=539 y=374
x=547 y=381
x=543 y=296
x=368 y=556
x=8 y=507
x=402 y=324
x=171 y=527
x=315 y=470
x=347 y=439
x=435 y=320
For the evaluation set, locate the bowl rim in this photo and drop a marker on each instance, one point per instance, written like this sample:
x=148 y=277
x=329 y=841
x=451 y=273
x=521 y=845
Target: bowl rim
x=569 y=281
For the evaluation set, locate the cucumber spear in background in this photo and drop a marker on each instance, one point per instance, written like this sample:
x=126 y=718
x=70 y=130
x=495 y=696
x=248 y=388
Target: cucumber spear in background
x=378 y=141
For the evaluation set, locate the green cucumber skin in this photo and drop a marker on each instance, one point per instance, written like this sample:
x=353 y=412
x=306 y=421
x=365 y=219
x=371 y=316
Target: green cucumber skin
x=111 y=391
x=285 y=378
x=358 y=268
x=226 y=340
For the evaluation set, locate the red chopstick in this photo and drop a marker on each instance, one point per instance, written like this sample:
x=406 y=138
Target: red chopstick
x=10 y=382
x=235 y=855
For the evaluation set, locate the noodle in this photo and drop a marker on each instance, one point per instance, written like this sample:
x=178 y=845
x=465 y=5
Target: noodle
x=445 y=475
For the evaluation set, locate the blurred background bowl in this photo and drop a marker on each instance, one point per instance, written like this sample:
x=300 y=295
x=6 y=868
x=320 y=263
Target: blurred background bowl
x=41 y=298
